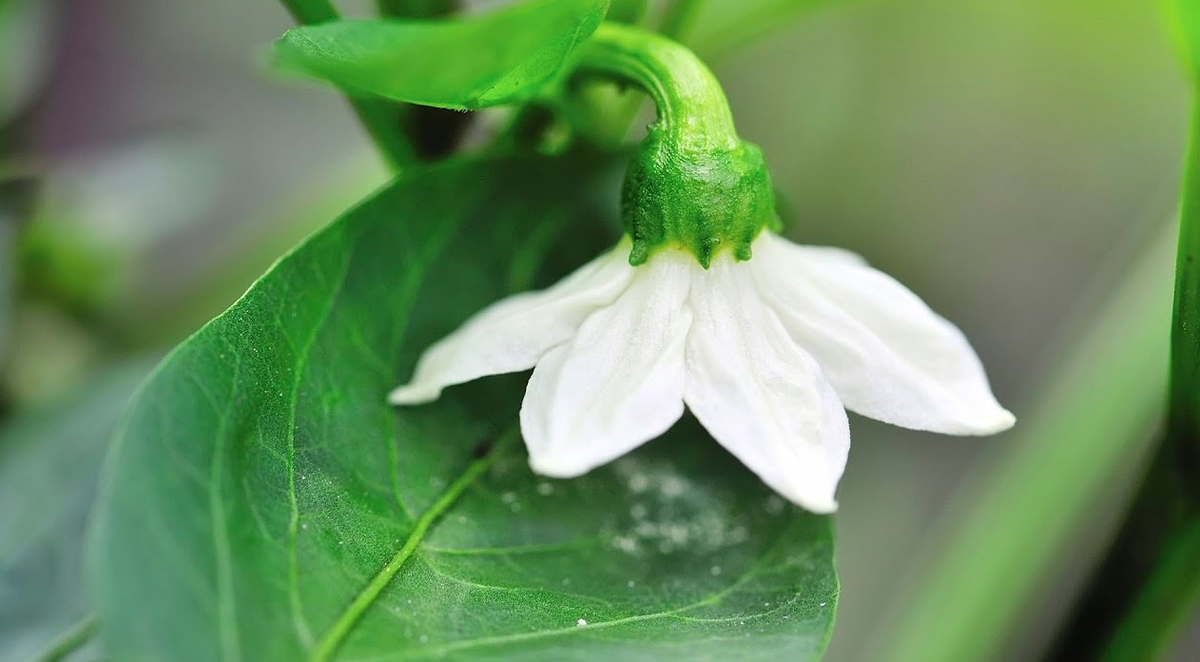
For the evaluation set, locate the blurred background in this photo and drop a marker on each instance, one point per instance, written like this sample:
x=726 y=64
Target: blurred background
x=1009 y=161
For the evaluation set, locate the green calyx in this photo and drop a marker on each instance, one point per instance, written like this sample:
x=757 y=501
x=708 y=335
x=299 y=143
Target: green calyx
x=703 y=201
x=693 y=184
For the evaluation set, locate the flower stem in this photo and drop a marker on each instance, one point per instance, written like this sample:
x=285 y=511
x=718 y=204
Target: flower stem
x=692 y=183
x=692 y=110
x=383 y=121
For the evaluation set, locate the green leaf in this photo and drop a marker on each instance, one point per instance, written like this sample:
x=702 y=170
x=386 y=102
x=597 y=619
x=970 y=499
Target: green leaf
x=716 y=28
x=1184 y=16
x=262 y=502
x=49 y=465
x=509 y=56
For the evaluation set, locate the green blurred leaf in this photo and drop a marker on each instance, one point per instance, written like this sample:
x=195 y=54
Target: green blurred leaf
x=715 y=28
x=269 y=505
x=506 y=57
x=632 y=12
x=1015 y=518
x=49 y=465
x=1184 y=16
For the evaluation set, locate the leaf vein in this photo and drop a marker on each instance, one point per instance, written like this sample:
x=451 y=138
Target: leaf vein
x=337 y=633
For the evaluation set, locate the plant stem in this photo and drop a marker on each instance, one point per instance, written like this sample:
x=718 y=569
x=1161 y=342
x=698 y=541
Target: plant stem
x=1165 y=516
x=433 y=132
x=384 y=122
x=692 y=108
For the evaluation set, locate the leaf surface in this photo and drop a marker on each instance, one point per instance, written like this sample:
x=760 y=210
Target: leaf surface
x=506 y=57
x=263 y=502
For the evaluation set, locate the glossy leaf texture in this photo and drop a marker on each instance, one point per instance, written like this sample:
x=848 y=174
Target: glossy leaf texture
x=506 y=57
x=262 y=501
x=49 y=465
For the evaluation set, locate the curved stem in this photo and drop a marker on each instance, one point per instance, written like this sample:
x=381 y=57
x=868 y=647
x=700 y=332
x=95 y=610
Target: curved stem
x=692 y=109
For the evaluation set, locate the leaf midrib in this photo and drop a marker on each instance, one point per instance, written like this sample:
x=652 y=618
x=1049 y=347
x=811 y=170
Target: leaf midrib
x=715 y=598
x=337 y=633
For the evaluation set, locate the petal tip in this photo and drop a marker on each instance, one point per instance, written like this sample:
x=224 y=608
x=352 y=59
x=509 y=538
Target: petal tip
x=824 y=508
x=816 y=506
x=554 y=469
x=414 y=394
x=995 y=422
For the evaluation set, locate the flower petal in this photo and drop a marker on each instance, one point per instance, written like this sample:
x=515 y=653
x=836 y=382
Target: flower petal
x=619 y=382
x=886 y=353
x=513 y=333
x=762 y=397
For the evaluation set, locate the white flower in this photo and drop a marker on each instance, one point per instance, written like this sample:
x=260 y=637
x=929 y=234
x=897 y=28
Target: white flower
x=767 y=353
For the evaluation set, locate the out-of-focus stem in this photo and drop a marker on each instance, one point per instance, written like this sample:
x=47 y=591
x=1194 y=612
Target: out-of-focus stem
x=384 y=122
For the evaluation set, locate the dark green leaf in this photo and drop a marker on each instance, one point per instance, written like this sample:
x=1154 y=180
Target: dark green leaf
x=49 y=464
x=263 y=503
x=506 y=57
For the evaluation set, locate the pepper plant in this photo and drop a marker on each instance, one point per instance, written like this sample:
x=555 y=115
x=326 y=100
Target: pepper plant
x=352 y=463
